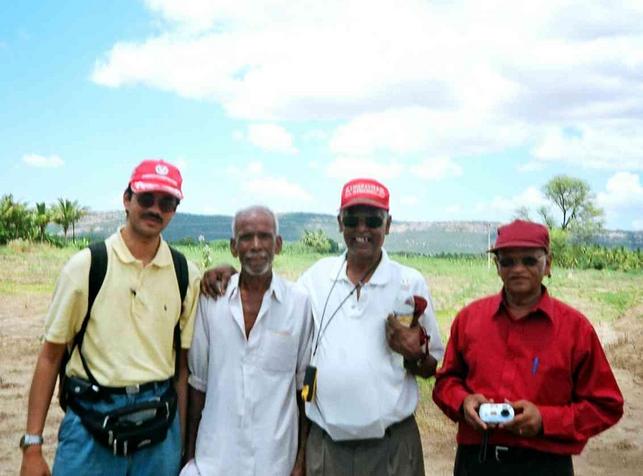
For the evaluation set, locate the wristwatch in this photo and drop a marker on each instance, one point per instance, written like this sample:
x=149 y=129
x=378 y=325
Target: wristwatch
x=30 y=440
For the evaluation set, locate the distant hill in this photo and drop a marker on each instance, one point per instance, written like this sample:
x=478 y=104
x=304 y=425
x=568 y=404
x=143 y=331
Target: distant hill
x=417 y=237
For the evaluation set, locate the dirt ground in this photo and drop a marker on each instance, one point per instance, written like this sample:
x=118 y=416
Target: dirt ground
x=618 y=451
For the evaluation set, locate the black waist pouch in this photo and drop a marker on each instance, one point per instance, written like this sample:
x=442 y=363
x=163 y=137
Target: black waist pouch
x=130 y=428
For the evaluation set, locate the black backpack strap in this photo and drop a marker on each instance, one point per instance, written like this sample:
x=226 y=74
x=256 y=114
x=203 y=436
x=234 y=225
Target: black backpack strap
x=182 y=278
x=97 y=272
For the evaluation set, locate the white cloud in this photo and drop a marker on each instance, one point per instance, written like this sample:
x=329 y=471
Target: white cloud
x=436 y=168
x=502 y=208
x=615 y=146
x=42 y=161
x=346 y=168
x=622 y=191
x=413 y=130
x=409 y=77
x=255 y=168
x=315 y=135
x=271 y=137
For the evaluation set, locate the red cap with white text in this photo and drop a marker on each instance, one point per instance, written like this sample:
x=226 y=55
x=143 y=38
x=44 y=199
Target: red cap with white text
x=156 y=176
x=365 y=191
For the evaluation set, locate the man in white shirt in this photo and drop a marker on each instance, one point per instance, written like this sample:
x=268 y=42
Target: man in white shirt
x=247 y=361
x=366 y=359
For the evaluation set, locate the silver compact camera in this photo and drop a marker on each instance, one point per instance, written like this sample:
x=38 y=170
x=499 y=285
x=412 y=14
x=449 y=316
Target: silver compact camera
x=496 y=412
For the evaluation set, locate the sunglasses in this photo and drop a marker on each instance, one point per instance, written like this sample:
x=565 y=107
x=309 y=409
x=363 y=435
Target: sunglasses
x=371 y=221
x=166 y=203
x=528 y=261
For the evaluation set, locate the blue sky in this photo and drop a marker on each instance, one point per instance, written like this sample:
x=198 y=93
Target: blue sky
x=463 y=109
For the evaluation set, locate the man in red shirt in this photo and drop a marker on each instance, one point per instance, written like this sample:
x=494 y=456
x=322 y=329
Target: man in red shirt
x=541 y=356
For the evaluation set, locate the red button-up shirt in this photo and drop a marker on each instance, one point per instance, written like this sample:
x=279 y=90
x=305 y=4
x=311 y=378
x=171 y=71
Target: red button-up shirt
x=551 y=357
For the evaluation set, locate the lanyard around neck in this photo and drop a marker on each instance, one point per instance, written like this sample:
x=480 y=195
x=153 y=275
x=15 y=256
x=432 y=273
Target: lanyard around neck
x=358 y=285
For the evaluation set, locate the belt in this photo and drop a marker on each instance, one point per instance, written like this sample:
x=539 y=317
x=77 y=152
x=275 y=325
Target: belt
x=134 y=389
x=512 y=454
x=76 y=385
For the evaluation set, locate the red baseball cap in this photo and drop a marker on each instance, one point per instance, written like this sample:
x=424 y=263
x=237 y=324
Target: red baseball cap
x=522 y=234
x=364 y=191
x=156 y=176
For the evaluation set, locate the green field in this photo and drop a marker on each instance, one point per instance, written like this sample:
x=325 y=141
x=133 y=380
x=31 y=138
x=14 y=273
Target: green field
x=610 y=299
x=601 y=295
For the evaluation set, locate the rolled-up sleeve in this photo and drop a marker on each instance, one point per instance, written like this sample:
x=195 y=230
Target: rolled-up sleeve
x=198 y=355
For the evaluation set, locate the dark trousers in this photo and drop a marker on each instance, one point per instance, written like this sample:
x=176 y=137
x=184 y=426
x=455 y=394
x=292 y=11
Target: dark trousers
x=398 y=453
x=508 y=462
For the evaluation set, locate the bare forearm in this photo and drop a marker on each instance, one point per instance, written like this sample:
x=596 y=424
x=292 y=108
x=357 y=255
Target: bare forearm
x=304 y=427
x=196 y=402
x=42 y=386
x=182 y=392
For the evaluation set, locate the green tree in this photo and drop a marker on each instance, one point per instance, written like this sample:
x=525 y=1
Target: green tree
x=79 y=212
x=522 y=213
x=319 y=241
x=574 y=201
x=67 y=213
x=42 y=218
x=15 y=219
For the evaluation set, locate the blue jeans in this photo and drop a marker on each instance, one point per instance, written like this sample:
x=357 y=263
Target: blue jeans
x=79 y=454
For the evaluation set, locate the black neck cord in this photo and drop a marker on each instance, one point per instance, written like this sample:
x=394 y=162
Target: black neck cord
x=359 y=284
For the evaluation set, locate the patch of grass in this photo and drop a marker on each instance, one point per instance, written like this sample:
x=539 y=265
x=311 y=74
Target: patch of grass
x=454 y=282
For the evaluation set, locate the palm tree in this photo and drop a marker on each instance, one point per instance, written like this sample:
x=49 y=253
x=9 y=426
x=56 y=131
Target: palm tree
x=15 y=219
x=42 y=217
x=79 y=212
x=67 y=213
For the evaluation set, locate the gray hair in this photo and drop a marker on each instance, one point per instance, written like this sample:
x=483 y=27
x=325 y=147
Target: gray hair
x=255 y=209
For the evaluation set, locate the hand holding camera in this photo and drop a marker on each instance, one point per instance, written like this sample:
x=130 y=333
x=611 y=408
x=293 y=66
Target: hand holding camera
x=496 y=413
x=520 y=417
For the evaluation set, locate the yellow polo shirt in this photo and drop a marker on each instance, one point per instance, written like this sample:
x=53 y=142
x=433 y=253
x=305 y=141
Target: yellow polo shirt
x=129 y=337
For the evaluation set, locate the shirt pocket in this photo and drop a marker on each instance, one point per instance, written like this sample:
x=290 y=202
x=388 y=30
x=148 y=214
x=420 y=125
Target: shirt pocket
x=278 y=351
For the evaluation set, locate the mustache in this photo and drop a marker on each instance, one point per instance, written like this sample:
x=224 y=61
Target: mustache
x=261 y=254
x=153 y=216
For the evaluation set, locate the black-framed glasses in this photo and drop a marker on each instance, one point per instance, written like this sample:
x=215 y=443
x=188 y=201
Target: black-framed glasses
x=528 y=261
x=371 y=221
x=166 y=203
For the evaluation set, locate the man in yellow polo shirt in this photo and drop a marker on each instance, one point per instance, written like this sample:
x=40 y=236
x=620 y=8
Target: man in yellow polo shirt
x=127 y=345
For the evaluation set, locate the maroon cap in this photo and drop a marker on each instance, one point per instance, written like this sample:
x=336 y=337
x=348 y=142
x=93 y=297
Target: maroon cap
x=156 y=176
x=364 y=191
x=522 y=234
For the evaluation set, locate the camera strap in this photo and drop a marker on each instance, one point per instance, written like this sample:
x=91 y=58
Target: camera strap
x=482 y=455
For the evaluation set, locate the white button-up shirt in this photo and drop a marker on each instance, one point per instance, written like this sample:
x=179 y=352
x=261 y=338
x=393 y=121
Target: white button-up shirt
x=249 y=423
x=362 y=386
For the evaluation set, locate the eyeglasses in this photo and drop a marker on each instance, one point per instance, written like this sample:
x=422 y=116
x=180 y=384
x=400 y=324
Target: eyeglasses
x=371 y=221
x=528 y=261
x=166 y=203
